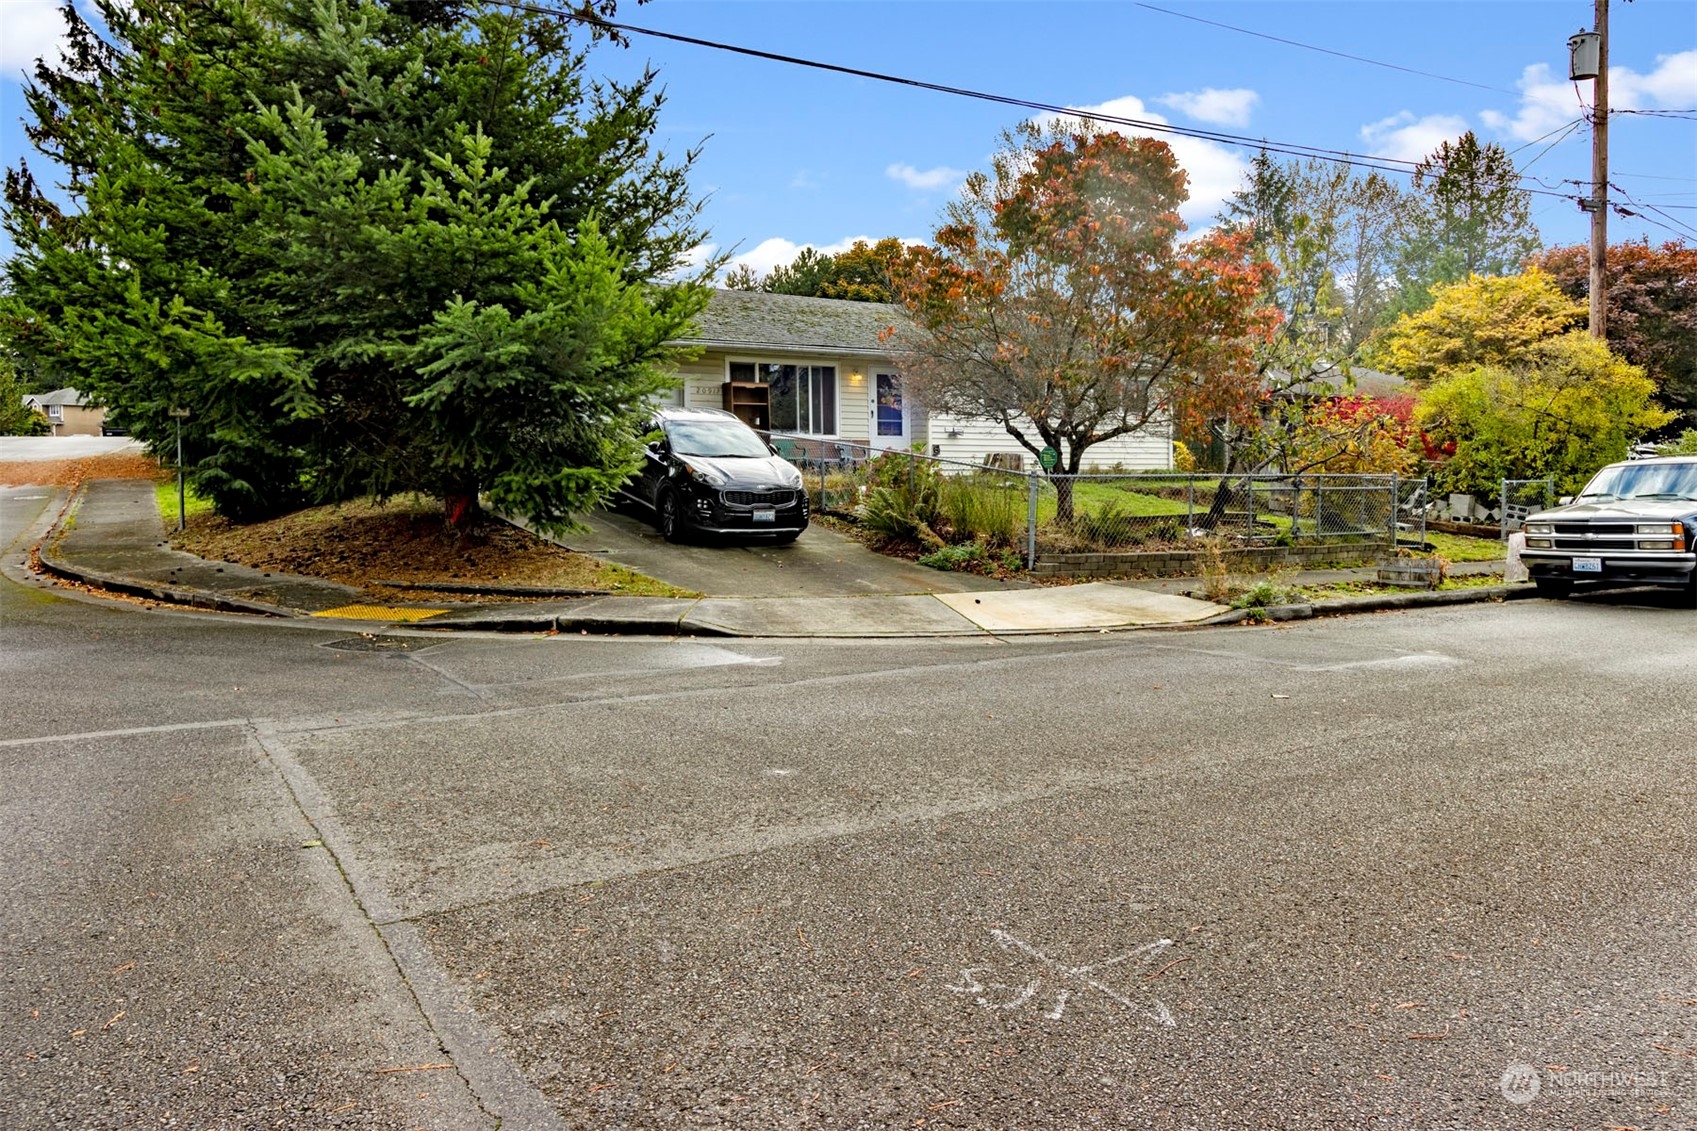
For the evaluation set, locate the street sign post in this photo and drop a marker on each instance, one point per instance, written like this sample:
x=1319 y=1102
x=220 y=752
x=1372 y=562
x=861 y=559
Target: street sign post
x=180 y=415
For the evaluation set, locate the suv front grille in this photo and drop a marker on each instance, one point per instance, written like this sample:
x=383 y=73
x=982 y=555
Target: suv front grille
x=759 y=498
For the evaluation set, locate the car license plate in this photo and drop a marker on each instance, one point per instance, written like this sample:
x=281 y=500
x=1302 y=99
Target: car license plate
x=1587 y=565
x=765 y=514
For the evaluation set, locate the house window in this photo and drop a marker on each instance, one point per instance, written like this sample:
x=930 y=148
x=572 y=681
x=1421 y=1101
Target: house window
x=56 y=413
x=803 y=398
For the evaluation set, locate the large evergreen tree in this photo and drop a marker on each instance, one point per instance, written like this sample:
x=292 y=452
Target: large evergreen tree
x=1469 y=217
x=371 y=247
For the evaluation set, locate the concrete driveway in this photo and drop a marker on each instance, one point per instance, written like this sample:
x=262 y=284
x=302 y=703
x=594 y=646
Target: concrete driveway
x=821 y=563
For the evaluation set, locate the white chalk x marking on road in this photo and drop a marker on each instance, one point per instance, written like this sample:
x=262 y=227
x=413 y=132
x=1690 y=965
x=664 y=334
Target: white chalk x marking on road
x=1071 y=981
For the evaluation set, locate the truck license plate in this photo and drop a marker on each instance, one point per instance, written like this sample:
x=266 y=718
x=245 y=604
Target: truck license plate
x=767 y=514
x=1587 y=565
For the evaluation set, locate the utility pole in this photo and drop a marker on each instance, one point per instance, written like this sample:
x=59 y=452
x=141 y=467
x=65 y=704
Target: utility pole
x=1600 y=172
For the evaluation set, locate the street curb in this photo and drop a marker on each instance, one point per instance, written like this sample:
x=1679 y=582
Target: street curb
x=598 y=620
x=1378 y=601
x=196 y=598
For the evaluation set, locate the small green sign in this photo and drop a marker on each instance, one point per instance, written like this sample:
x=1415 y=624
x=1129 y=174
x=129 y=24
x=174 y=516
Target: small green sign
x=1048 y=457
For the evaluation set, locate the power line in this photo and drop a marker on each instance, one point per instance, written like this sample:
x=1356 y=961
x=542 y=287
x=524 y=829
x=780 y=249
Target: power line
x=1397 y=165
x=1326 y=50
x=1658 y=177
x=1564 y=130
x=1678 y=225
x=1575 y=125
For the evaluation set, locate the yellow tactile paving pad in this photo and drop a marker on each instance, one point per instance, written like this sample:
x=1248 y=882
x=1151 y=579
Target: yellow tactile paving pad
x=378 y=612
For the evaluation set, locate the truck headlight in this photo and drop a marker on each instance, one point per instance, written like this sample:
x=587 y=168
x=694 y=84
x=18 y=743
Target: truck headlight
x=1541 y=528
x=1666 y=535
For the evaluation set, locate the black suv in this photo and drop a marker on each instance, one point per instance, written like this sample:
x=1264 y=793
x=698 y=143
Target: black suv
x=1634 y=524
x=710 y=473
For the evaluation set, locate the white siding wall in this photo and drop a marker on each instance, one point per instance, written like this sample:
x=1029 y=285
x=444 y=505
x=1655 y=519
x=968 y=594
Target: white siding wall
x=705 y=377
x=1150 y=449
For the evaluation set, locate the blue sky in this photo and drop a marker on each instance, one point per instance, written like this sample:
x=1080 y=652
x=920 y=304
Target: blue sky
x=797 y=157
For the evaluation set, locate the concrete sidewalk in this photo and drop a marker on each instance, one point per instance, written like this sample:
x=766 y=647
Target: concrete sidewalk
x=111 y=537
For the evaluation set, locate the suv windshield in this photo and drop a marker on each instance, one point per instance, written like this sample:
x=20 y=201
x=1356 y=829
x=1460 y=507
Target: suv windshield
x=1644 y=481
x=721 y=438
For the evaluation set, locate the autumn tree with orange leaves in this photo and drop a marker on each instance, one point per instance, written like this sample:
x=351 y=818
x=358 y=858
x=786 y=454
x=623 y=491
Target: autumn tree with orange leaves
x=1059 y=303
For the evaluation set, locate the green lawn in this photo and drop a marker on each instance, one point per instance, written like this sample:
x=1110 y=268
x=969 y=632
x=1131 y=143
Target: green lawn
x=165 y=491
x=1462 y=548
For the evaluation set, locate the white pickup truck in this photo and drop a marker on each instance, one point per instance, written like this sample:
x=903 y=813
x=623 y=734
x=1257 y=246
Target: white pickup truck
x=1635 y=523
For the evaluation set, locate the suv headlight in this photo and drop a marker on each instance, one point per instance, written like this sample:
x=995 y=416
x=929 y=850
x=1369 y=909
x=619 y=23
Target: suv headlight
x=1544 y=529
x=704 y=476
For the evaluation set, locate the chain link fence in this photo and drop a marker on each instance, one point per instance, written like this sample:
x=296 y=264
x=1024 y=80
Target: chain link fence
x=1157 y=510
x=1521 y=497
x=907 y=495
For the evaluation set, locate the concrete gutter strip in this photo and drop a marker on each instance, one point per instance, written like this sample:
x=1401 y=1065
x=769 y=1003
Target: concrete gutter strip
x=1373 y=602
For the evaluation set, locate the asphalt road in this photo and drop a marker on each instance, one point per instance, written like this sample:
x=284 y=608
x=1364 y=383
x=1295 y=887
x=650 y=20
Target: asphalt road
x=1341 y=873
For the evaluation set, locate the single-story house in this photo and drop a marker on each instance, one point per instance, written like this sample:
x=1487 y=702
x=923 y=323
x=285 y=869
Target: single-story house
x=818 y=367
x=68 y=411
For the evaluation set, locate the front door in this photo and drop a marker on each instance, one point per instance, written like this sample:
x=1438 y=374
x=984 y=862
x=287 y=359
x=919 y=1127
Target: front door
x=889 y=413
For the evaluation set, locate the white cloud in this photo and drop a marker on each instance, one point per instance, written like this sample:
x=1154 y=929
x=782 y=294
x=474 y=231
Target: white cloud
x=1672 y=85
x=29 y=30
x=1222 y=107
x=926 y=180
x=1546 y=104
x=804 y=180
x=779 y=252
x=1548 y=100
x=1215 y=171
x=1407 y=138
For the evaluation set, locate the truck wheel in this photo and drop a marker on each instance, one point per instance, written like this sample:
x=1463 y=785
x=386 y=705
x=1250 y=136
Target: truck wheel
x=1553 y=587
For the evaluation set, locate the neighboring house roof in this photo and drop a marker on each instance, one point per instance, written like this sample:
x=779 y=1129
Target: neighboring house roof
x=1368 y=383
x=57 y=396
x=755 y=321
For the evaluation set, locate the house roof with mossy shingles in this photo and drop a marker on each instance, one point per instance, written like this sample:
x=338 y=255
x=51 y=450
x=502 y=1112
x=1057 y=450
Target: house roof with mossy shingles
x=757 y=322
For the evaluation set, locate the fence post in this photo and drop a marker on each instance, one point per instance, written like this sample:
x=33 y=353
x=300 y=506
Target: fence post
x=1396 y=506
x=1190 y=507
x=1031 y=522
x=1425 y=501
